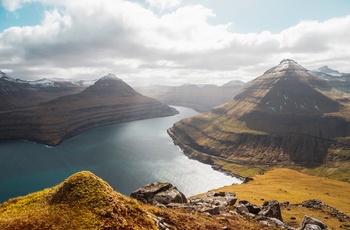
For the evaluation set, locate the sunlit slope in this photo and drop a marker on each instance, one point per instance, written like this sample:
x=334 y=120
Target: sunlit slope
x=286 y=116
x=84 y=201
x=287 y=185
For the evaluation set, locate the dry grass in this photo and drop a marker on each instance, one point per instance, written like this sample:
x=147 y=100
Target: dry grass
x=84 y=201
x=295 y=187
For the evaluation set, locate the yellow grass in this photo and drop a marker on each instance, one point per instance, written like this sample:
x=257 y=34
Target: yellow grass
x=289 y=185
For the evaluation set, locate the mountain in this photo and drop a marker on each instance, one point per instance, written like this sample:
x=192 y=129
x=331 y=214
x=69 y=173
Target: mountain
x=17 y=94
x=201 y=98
x=287 y=116
x=108 y=101
x=340 y=81
x=328 y=71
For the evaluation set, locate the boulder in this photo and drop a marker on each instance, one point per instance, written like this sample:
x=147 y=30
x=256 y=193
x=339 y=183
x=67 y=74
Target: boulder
x=252 y=208
x=213 y=202
x=310 y=223
x=241 y=208
x=272 y=209
x=159 y=193
x=314 y=203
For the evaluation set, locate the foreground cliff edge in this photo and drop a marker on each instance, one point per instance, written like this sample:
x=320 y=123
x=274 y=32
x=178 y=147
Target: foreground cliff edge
x=108 y=101
x=84 y=201
x=287 y=117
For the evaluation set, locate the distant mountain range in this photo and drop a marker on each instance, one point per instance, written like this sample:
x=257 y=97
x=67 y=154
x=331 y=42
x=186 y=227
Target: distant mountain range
x=108 y=101
x=17 y=93
x=289 y=116
x=340 y=81
x=201 y=98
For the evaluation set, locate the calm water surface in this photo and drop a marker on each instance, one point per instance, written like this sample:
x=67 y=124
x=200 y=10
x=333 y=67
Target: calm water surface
x=127 y=156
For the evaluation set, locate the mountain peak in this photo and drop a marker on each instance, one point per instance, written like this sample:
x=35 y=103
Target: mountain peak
x=111 y=85
x=325 y=69
x=109 y=76
x=287 y=65
x=6 y=77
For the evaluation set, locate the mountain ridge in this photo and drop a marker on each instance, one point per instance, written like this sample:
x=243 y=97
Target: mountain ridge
x=287 y=116
x=108 y=101
x=201 y=98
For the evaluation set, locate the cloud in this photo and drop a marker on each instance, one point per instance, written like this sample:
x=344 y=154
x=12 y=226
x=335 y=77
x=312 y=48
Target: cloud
x=164 y=4
x=88 y=39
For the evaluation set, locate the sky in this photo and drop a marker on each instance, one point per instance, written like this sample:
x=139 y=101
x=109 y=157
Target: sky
x=170 y=42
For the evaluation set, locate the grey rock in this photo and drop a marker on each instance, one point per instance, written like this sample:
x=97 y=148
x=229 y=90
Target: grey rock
x=159 y=193
x=272 y=209
x=213 y=202
x=252 y=208
x=241 y=208
x=310 y=223
x=314 y=203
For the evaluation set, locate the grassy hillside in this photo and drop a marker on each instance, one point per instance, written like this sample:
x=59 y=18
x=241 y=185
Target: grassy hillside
x=286 y=185
x=84 y=201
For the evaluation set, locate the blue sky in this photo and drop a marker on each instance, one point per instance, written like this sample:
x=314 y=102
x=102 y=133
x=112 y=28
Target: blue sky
x=170 y=41
x=248 y=16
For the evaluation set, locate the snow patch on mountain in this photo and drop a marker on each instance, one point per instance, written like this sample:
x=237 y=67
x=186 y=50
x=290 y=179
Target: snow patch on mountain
x=329 y=71
x=109 y=76
x=287 y=65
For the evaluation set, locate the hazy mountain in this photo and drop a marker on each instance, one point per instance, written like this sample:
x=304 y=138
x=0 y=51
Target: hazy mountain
x=340 y=81
x=328 y=71
x=201 y=98
x=108 y=101
x=288 y=115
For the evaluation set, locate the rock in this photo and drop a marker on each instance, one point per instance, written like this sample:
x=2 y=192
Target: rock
x=213 y=202
x=252 y=208
x=213 y=210
x=172 y=195
x=310 y=223
x=159 y=193
x=241 y=208
x=314 y=203
x=273 y=222
x=272 y=209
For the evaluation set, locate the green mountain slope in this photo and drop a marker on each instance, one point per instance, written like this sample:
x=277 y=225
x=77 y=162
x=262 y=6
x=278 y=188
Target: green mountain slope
x=288 y=116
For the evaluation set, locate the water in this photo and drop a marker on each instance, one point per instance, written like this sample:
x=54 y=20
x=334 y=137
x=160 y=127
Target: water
x=127 y=156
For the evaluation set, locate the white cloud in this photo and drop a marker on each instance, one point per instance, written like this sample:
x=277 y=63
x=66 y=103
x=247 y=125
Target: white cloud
x=92 y=38
x=163 y=4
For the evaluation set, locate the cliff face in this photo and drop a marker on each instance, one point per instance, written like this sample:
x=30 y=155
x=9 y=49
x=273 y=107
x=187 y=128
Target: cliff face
x=288 y=115
x=108 y=101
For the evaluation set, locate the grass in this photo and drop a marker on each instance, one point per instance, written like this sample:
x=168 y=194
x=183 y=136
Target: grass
x=84 y=201
x=295 y=187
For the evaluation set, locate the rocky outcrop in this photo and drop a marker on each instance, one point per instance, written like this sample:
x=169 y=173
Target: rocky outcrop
x=108 y=101
x=159 y=193
x=222 y=205
x=212 y=202
x=310 y=223
x=286 y=116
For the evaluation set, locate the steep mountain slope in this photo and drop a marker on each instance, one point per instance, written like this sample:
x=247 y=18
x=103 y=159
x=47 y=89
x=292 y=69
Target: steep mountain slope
x=200 y=98
x=108 y=101
x=84 y=201
x=16 y=93
x=286 y=116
